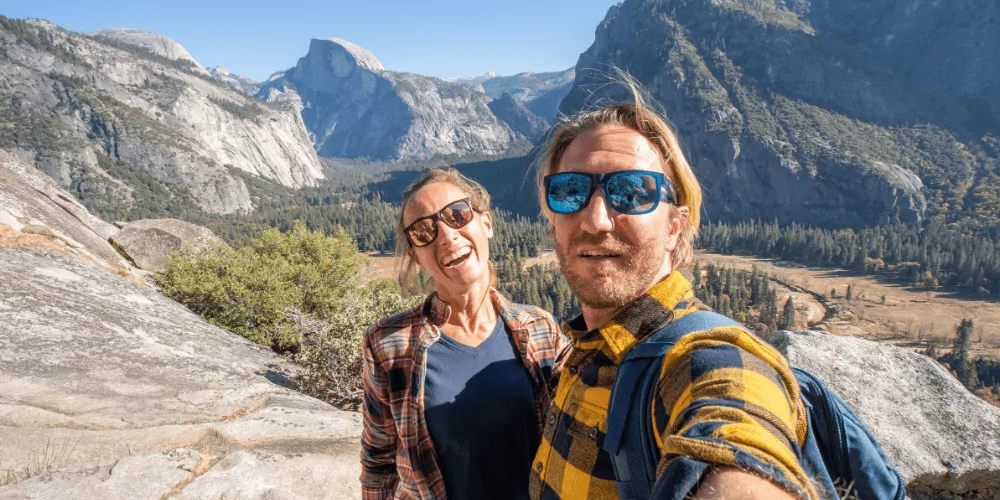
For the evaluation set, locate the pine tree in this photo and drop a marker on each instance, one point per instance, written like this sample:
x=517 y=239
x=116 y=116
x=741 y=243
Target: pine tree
x=850 y=292
x=961 y=347
x=696 y=275
x=787 y=315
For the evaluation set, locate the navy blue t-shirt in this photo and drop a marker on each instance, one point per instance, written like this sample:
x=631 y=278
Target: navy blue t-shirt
x=480 y=409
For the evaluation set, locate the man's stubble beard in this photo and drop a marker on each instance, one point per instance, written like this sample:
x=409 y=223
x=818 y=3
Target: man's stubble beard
x=618 y=285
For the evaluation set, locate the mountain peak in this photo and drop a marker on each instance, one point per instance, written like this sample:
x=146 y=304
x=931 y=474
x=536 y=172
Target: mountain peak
x=362 y=57
x=153 y=42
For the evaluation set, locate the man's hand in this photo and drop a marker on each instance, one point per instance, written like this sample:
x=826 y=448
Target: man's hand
x=734 y=484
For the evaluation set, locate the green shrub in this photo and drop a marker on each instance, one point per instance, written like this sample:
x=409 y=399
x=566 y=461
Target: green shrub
x=330 y=350
x=255 y=290
x=300 y=292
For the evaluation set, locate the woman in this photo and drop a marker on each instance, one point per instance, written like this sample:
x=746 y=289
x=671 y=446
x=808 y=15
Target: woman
x=455 y=388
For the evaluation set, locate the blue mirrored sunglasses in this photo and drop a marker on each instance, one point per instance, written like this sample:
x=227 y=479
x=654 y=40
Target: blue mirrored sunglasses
x=632 y=192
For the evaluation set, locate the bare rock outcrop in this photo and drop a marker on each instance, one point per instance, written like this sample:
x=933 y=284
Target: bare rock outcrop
x=154 y=42
x=944 y=440
x=540 y=93
x=149 y=243
x=356 y=108
x=31 y=203
x=108 y=390
x=242 y=83
x=128 y=122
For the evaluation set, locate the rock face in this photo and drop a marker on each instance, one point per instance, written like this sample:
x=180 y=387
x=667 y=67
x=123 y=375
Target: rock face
x=808 y=111
x=149 y=243
x=540 y=93
x=355 y=108
x=153 y=42
x=518 y=118
x=239 y=82
x=31 y=203
x=128 y=395
x=944 y=440
x=130 y=124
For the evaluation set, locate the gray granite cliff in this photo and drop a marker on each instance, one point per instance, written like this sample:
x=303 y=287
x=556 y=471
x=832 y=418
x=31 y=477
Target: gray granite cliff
x=355 y=108
x=127 y=119
x=820 y=112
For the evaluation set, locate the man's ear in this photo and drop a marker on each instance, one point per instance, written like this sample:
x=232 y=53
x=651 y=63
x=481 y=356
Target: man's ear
x=678 y=221
x=488 y=224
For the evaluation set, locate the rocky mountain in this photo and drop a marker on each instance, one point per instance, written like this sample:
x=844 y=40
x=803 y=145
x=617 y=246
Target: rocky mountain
x=153 y=42
x=242 y=83
x=540 y=93
x=355 y=108
x=475 y=82
x=821 y=112
x=129 y=123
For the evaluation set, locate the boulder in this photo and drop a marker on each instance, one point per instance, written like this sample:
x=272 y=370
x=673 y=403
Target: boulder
x=149 y=243
x=944 y=440
x=108 y=390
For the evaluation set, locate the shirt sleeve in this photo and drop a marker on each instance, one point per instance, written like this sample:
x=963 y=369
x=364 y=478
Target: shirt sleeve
x=563 y=348
x=378 y=438
x=727 y=399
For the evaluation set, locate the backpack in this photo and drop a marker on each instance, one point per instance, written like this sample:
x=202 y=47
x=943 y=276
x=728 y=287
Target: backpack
x=839 y=449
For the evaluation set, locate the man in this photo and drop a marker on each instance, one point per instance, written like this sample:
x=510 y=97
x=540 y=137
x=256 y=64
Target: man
x=624 y=208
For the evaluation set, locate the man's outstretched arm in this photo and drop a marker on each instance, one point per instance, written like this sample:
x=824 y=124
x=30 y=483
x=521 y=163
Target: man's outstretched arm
x=730 y=420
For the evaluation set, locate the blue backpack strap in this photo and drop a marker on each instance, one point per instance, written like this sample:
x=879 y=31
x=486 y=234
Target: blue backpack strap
x=630 y=439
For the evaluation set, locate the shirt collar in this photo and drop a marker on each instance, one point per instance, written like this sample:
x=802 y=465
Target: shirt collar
x=639 y=319
x=438 y=311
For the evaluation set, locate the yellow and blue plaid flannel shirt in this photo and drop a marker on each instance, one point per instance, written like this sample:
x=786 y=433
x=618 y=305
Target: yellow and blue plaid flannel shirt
x=725 y=399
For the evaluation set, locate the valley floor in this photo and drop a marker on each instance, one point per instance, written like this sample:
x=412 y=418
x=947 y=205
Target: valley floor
x=909 y=317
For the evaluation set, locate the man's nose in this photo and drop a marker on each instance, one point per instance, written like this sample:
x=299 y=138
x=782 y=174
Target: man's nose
x=596 y=216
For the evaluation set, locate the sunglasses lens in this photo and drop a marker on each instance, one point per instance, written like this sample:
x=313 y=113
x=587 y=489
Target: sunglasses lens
x=457 y=215
x=422 y=232
x=632 y=193
x=567 y=192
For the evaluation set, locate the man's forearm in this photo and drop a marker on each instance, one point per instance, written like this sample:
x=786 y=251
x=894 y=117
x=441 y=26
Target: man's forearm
x=734 y=484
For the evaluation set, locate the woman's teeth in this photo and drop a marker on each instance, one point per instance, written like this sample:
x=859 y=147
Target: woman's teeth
x=457 y=257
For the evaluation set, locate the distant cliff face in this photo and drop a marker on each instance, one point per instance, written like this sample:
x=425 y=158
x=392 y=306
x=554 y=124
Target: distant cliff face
x=153 y=42
x=822 y=112
x=133 y=126
x=355 y=108
x=540 y=93
x=242 y=83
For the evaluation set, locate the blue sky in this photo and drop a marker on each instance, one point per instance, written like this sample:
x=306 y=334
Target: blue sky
x=446 y=38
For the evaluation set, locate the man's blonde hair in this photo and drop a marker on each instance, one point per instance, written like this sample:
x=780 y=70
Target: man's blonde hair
x=407 y=267
x=637 y=116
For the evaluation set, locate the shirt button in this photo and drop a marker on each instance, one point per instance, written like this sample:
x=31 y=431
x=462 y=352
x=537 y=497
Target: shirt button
x=573 y=370
x=552 y=420
x=538 y=467
x=593 y=434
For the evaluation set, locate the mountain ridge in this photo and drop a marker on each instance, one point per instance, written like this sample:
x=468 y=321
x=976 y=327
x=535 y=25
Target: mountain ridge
x=132 y=132
x=775 y=101
x=357 y=109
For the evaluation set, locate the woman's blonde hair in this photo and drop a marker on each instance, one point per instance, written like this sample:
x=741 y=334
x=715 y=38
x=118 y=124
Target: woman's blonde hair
x=407 y=267
x=639 y=117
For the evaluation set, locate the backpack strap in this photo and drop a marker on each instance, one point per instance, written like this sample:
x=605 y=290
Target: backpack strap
x=630 y=439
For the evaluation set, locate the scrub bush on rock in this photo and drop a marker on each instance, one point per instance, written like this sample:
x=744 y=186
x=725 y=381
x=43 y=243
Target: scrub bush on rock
x=299 y=292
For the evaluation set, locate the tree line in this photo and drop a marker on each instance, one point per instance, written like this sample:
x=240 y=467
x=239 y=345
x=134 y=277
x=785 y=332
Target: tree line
x=931 y=255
